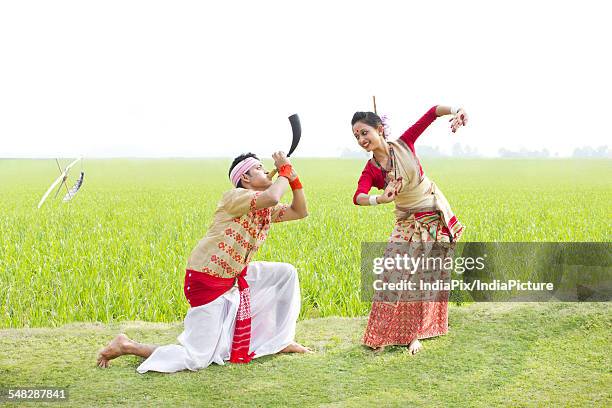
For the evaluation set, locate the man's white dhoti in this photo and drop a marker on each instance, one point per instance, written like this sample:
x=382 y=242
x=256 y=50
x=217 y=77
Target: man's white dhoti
x=208 y=329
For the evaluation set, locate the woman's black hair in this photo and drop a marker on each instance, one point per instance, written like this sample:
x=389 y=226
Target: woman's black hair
x=369 y=118
x=238 y=160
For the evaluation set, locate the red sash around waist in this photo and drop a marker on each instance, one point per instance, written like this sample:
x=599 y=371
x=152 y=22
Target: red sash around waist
x=201 y=288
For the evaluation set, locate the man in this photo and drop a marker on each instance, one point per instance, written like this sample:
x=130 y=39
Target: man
x=239 y=309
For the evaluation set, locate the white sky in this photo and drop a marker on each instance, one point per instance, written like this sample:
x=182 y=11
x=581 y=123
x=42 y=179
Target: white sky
x=181 y=78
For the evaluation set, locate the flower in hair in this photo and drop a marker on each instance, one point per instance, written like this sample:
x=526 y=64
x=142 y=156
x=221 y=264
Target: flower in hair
x=384 y=118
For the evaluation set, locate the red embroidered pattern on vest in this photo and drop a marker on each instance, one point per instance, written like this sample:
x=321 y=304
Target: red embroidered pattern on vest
x=209 y=271
x=231 y=251
x=223 y=264
x=281 y=213
x=254 y=201
x=239 y=239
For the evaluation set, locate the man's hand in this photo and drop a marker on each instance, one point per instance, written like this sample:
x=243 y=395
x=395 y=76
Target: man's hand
x=280 y=159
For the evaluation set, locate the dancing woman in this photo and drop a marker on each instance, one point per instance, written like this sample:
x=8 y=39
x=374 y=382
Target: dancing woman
x=423 y=215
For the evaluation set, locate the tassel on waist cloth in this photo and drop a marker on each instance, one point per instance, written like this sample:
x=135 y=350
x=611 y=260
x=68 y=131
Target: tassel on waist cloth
x=201 y=288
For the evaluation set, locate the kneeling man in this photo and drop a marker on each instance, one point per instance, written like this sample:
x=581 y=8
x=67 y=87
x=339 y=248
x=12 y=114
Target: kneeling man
x=239 y=309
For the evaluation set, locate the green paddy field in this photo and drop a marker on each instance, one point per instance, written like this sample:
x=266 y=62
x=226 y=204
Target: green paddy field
x=73 y=275
x=118 y=250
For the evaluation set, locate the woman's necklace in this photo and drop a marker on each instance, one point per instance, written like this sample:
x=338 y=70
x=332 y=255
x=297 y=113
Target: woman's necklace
x=391 y=161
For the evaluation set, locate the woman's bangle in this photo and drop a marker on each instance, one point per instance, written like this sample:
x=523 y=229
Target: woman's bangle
x=454 y=110
x=295 y=184
x=372 y=199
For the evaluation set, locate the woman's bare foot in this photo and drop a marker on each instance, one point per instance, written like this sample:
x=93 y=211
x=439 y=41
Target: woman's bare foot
x=415 y=346
x=296 y=348
x=117 y=347
x=378 y=350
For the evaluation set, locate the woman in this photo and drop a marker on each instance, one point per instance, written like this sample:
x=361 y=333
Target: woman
x=423 y=215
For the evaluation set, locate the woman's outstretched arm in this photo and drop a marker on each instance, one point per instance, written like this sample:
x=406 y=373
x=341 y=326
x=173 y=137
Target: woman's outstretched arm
x=413 y=132
x=459 y=119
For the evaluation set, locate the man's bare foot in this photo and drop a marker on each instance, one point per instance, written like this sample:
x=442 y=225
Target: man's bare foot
x=296 y=348
x=117 y=347
x=415 y=346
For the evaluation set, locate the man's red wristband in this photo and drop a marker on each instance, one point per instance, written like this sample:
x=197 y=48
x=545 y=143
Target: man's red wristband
x=295 y=184
x=285 y=171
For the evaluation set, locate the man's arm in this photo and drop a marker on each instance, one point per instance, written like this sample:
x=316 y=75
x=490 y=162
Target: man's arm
x=298 y=208
x=273 y=194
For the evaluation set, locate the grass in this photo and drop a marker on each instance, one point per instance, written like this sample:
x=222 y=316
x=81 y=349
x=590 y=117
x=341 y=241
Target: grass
x=72 y=276
x=510 y=354
x=118 y=251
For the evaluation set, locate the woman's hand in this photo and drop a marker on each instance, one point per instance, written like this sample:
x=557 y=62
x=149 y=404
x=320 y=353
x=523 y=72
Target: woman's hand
x=391 y=191
x=460 y=119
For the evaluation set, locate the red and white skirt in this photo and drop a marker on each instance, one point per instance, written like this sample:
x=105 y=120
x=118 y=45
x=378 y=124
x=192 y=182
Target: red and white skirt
x=401 y=322
x=209 y=329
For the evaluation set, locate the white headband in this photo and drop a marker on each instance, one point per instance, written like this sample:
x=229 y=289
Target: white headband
x=242 y=168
